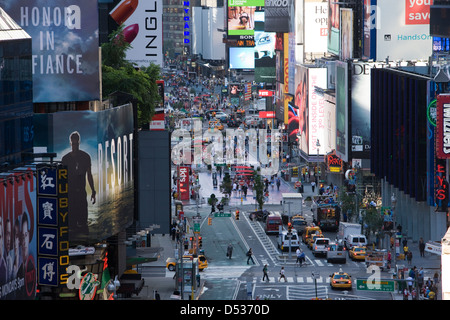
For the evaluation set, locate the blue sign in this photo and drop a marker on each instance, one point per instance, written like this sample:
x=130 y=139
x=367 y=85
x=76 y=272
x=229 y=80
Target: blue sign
x=48 y=241
x=48 y=271
x=48 y=211
x=46 y=180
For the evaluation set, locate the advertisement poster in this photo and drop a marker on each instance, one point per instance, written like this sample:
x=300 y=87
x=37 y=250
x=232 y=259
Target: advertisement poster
x=360 y=108
x=298 y=112
x=316 y=27
x=183 y=183
x=65 y=59
x=403 y=30
x=334 y=34
x=18 y=236
x=142 y=22
x=342 y=110
x=346 y=34
x=98 y=150
x=317 y=77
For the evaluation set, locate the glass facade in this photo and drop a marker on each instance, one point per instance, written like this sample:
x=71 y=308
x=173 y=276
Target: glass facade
x=16 y=100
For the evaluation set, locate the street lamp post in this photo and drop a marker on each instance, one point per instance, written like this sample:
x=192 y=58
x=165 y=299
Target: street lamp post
x=317 y=162
x=394 y=247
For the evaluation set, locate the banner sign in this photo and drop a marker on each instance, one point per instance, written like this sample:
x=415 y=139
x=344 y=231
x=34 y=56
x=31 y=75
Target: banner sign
x=183 y=183
x=443 y=126
x=53 y=225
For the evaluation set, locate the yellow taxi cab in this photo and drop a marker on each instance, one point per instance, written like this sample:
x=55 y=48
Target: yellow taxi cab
x=357 y=253
x=201 y=259
x=309 y=231
x=340 y=280
x=219 y=126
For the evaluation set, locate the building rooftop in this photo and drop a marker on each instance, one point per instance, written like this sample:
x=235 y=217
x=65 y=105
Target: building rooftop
x=9 y=29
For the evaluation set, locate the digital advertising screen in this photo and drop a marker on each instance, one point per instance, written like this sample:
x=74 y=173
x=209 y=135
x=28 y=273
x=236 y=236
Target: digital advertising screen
x=241 y=57
x=241 y=17
x=65 y=47
x=265 y=61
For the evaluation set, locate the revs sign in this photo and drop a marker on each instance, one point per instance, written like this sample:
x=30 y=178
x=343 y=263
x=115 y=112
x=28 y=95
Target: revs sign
x=443 y=126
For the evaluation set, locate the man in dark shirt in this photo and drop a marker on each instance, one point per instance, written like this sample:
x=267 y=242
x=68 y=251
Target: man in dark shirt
x=78 y=165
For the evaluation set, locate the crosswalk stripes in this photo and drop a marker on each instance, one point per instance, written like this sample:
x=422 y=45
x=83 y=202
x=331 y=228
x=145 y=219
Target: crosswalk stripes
x=292 y=280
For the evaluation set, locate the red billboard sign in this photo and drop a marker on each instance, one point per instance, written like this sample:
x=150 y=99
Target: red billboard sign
x=417 y=11
x=267 y=114
x=183 y=183
x=443 y=126
x=265 y=93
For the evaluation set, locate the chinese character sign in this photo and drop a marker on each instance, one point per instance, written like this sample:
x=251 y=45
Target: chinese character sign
x=18 y=236
x=53 y=225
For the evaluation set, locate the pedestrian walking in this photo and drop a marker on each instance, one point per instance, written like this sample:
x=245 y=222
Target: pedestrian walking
x=278 y=184
x=313 y=185
x=282 y=275
x=250 y=256
x=229 y=251
x=300 y=257
x=265 y=274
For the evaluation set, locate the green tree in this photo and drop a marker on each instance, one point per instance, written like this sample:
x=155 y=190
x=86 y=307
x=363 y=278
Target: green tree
x=118 y=74
x=226 y=185
x=258 y=186
x=347 y=202
x=373 y=220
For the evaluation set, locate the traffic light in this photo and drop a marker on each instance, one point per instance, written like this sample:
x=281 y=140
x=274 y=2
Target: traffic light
x=289 y=227
x=237 y=215
x=200 y=242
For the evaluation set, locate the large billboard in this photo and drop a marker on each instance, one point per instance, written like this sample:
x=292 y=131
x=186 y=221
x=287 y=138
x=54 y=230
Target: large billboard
x=316 y=27
x=278 y=15
x=142 y=22
x=317 y=77
x=346 y=51
x=241 y=17
x=98 y=150
x=360 y=108
x=241 y=57
x=264 y=51
x=18 y=235
x=403 y=30
x=65 y=60
x=342 y=133
x=310 y=113
x=334 y=27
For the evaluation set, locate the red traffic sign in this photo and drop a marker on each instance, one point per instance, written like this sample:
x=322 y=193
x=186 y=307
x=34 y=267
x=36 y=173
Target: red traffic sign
x=241 y=183
x=298 y=184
